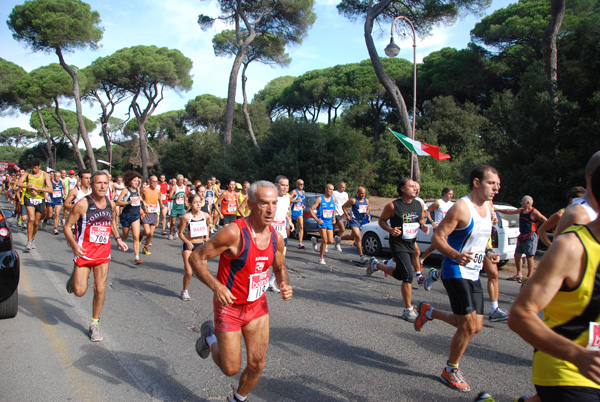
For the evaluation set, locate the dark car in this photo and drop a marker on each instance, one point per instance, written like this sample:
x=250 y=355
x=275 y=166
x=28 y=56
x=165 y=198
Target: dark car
x=10 y=270
x=310 y=225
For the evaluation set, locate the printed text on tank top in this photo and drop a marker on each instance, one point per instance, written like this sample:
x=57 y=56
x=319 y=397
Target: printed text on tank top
x=197 y=227
x=259 y=282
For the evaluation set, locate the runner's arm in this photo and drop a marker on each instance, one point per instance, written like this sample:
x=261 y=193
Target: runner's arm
x=120 y=201
x=183 y=221
x=555 y=268
x=115 y=228
x=507 y=211
x=313 y=209
x=422 y=223
x=547 y=226
x=77 y=211
x=451 y=221
x=348 y=204
x=68 y=202
x=388 y=212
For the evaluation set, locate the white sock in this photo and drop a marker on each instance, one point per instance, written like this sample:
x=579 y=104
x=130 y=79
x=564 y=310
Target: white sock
x=137 y=256
x=211 y=339
x=239 y=397
x=493 y=306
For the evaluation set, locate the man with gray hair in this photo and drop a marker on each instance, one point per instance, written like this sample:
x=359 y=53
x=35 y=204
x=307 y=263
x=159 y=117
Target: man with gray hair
x=247 y=248
x=527 y=241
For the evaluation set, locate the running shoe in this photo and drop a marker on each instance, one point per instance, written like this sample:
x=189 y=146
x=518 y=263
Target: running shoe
x=420 y=280
x=322 y=261
x=428 y=282
x=141 y=240
x=232 y=398
x=145 y=250
x=363 y=259
x=185 y=296
x=498 y=315
x=372 y=267
x=454 y=379
x=421 y=315
x=94 y=331
x=62 y=222
x=28 y=245
x=70 y=284
x=207 y=329
x=33 y=244
x=315 y=243
x=138 y=261
x=337 y=243
x=171 y=237
x=55 y=231
x=301 y=246
x=164 y=232
x=273 y=288
x=484 y=397
x=409 y=315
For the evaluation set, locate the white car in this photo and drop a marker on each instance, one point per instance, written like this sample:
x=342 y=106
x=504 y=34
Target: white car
x=375 y=240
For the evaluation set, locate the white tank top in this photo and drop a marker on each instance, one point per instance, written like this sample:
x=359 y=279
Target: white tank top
x=283 y=205
x=586 y=205
x=444 y=207
x=81 y=194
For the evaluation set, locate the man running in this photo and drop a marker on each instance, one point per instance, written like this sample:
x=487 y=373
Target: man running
x=406 y=215
x=323 y=212
x=340 y=197
x=247 y=248
x=151 y=198
x=297 y=200
x=228 y=204
x=179 y=203
x=59 y=192
x=281 y=219
x=462 y=237
x=35 y=183
x=164 y=201
x=358 y=215
x=438 y=211
x=93 y=215
x=566 y=360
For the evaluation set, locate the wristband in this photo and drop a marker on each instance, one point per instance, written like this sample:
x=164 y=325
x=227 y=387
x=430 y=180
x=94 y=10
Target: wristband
x=118 y=238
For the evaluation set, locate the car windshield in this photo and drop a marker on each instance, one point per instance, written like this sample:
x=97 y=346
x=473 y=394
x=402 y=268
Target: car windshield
x=513 y=220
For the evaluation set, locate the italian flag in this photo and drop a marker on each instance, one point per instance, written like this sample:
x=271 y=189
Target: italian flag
x=420 y=148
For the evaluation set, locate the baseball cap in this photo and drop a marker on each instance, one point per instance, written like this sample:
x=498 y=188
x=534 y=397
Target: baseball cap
x=238 y=185
x=71 y=172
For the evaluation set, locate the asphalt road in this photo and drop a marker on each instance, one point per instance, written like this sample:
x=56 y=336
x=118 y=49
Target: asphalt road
x=339 y=339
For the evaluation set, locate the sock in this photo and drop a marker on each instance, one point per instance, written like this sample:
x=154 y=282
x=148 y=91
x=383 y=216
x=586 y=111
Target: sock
x=436 y=275
x=95 y=321
x=238 y=397
x=450 y=366
x=389 y=262
x=211 y=339
x=419 y=273
x=429 y=313
x=137 y=256
x=493 y=306
x=409 y=309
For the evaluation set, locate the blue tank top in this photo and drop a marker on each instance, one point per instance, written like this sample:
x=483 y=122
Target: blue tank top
x=359 y=210
x=57 y=190
x=134 y=207
x=298 y=207
x=326 y=209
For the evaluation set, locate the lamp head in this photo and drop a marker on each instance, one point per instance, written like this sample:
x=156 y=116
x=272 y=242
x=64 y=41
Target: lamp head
x=392 y=50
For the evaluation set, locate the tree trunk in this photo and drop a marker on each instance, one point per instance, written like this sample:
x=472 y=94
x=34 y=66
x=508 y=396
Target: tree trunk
x=82 y=129
x=245 y=108
x=63 y=127
x=389 y=84
x=51 y=161
x=549 y=50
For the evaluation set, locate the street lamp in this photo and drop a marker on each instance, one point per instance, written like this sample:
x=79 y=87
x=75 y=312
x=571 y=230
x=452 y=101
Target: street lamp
x=392 y=50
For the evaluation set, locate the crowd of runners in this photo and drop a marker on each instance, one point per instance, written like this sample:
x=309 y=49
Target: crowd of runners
x=247 y=227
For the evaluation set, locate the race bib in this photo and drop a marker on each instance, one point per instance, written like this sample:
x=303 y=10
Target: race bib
x=362 y=209
x=56 y=194
x=409 y=230
x=135 y=201
x=153 y=208
x=179 y=200
x=231 y=208
x=594 y=336
x=328 y=213
x=198 y=229
x=280 y=227
x=477 y=262
x=298 y=206
x=99 y=234
x=35 y=201
x=258 y=285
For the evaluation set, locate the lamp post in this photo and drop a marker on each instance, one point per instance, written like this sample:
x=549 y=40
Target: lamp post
x=392 y=50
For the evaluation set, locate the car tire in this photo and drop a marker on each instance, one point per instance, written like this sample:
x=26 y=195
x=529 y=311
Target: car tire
x=502 y=263
x=10 y=306
x=371 y=244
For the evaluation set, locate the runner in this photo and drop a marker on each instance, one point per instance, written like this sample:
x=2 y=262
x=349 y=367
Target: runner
x=227 y=204
x=73 y=182
x=360 y=212
x=325 y=218
x=178 y=203
x=131 y=214
x=195 y=223
x=93 y=216
x=298 y=195
x=566 y=363
x=59 y=192
x=438 y=211
x=164 y=198
x=240 y=200
x=243 y=199
x=462 y=237
x=281 y=219
x=240 y=303
x=78 y=192
x=406 y=215
x=151 y=198
x=35 y=183
x=340 y=196
x=415 y=260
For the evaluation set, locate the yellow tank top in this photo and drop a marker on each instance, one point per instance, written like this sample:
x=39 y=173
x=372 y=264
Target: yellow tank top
x=569 y=314
x=39 y=182
x=241 y=199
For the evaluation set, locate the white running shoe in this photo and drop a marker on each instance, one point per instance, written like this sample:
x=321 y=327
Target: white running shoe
x=363 y=259
x=315 y=243
x=409 y=315
x=372 y=267
x=185 y=296
x=322 y=261
x=338 y=241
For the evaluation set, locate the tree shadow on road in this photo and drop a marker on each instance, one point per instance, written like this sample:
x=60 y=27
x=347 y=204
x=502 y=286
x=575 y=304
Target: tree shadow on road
x=49 y=310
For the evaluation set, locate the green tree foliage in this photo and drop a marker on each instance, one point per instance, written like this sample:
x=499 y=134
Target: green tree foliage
x=10 y=74
x=271 y=94
x=59 y=26
x=17 y=137
x=206 y=112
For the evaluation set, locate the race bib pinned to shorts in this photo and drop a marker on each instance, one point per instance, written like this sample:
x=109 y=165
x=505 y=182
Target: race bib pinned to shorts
x=258 y=285
x=153 y=208
x=594 y=336
x=100 y=234
x=35 y=201
x=56 y=194
x=198 y=229
x=409 y=230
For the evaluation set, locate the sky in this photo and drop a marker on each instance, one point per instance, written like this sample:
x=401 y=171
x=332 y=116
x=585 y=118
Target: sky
x=332 y=40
